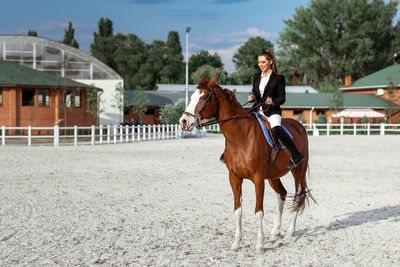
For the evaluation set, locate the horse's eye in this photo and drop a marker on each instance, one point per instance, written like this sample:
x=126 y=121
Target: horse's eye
x=203 y=98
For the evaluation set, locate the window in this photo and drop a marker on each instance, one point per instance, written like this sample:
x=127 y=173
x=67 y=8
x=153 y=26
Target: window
x=44 y=97
x=77 y=99
x=68 y=100
x=1 y=96
x=297 y=112
x=320 y=112
x=28 y=97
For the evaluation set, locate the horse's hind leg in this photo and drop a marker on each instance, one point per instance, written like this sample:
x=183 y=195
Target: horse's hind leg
x=281 y=193
x=299 y=175
x=236 y=184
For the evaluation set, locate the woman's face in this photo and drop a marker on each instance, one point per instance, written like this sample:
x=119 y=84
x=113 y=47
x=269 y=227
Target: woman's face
x=264 y=64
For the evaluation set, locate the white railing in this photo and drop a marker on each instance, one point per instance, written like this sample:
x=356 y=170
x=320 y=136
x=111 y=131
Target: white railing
x=341 y=129
x=89 y=135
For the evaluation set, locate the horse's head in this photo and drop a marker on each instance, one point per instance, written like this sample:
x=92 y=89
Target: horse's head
x=201 y=106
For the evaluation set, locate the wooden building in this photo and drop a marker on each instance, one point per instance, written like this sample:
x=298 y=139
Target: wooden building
x=31 y=97
x=385 y=84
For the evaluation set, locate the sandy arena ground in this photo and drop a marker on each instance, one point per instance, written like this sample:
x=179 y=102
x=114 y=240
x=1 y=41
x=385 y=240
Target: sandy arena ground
x=169 y=203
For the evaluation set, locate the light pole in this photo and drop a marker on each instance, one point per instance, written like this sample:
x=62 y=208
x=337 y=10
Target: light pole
x=187 y=67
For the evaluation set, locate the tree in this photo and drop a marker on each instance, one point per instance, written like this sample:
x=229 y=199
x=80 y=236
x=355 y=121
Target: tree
x=69 y=36
x=130 y=60
x=32 y=33
x=139 y=105
x=173 y=71
x=171 y=113
x=209 y=72
x=332 y=38
x=241 y=77
x=246 y=56
x=103 y=46
x=204 y=58
x=336 y=102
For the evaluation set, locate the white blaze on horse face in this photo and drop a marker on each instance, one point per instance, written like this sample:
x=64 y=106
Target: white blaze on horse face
x=188 y=122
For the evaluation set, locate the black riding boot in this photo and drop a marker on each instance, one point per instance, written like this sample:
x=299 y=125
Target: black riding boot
x=222 y=158
x=296 y=158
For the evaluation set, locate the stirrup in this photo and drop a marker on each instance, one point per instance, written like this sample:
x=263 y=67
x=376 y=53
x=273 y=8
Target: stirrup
x=292 y=164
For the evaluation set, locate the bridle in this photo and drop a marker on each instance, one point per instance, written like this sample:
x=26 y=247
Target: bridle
x=212 y=98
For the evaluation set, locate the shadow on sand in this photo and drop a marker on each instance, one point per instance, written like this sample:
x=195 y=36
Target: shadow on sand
x=355 y=219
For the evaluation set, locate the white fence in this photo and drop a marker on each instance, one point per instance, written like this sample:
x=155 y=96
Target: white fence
x=341 y=129
x=91 y=135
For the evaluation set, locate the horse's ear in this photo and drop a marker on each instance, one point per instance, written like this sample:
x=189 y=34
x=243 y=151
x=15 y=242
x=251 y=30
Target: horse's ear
x=202 y=79
x=231 y=95
x=212 y=82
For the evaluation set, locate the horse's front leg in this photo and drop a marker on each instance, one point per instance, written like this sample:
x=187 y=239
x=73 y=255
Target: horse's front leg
x=236 y=184
x=259 y=187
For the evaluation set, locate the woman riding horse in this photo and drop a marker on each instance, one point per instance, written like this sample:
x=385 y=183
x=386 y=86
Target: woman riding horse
x=247 y=155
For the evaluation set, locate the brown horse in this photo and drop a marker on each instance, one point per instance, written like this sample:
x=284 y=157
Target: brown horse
x=247 y=154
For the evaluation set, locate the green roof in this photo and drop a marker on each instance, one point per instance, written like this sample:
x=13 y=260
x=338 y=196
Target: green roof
x=293 y=100
x=382 y=78
x=13 y=75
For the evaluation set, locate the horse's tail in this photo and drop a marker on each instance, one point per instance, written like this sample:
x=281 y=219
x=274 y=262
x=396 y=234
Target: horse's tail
x=301 y=199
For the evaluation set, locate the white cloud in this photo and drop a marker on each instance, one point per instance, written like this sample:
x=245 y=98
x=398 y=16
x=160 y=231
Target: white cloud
x=226 y=56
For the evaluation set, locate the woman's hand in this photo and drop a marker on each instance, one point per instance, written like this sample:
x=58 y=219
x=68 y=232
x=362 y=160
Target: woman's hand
x=269 y=101
x=250 y=98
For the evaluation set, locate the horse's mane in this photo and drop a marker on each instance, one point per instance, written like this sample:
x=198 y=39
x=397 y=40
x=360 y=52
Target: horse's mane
x=230 y=95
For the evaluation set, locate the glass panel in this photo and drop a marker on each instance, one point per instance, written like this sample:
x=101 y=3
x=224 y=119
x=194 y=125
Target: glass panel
x=28 y=97
x=77 y=100
x=44 y=96
x=68 y=100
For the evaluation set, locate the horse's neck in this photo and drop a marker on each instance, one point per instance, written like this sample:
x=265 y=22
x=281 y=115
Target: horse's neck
x=234 y=129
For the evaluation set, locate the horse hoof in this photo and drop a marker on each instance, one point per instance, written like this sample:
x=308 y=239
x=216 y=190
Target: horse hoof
x=235 y=247
x=260 y=250
x=274 y=237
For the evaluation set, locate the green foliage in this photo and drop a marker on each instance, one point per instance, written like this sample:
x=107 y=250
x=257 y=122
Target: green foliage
x=301 y=118
x=246 y=56
x=336 y=102
x=321 y=119
x=326 y=86
x=93 y=105
x=139 y=105
x=69 y=36
x=209 y=72
x=32 y=33
x=364 y=119
x=103 y=46
x=174 y=68
x=204 y=58
x=332 y=38
x=242 y=77
x=171 y=113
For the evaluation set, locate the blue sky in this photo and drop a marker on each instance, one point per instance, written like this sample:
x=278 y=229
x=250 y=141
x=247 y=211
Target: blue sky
x=217 y=25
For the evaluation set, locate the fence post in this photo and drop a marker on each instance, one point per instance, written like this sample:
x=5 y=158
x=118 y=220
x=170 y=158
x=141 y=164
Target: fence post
x=3 y=135
x=354 y=129
x=382 y=129
x=133 y=133
x=75 y=135
x=368 y=128
x=101 y=134
x=29 y=135
x=327 y=129
x=176 y=131
x=154 y=132
x=341 y=128
x=159 y=131
x=108 y=133
x=138 y=132
x=56 y=135
x=127 y=133
x=121 y=134
x=93 y=135
x=163 y=131
x=144 y=132
x=115 y=134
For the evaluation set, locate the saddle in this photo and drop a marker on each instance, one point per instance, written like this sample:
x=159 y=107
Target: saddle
x=272 y=142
